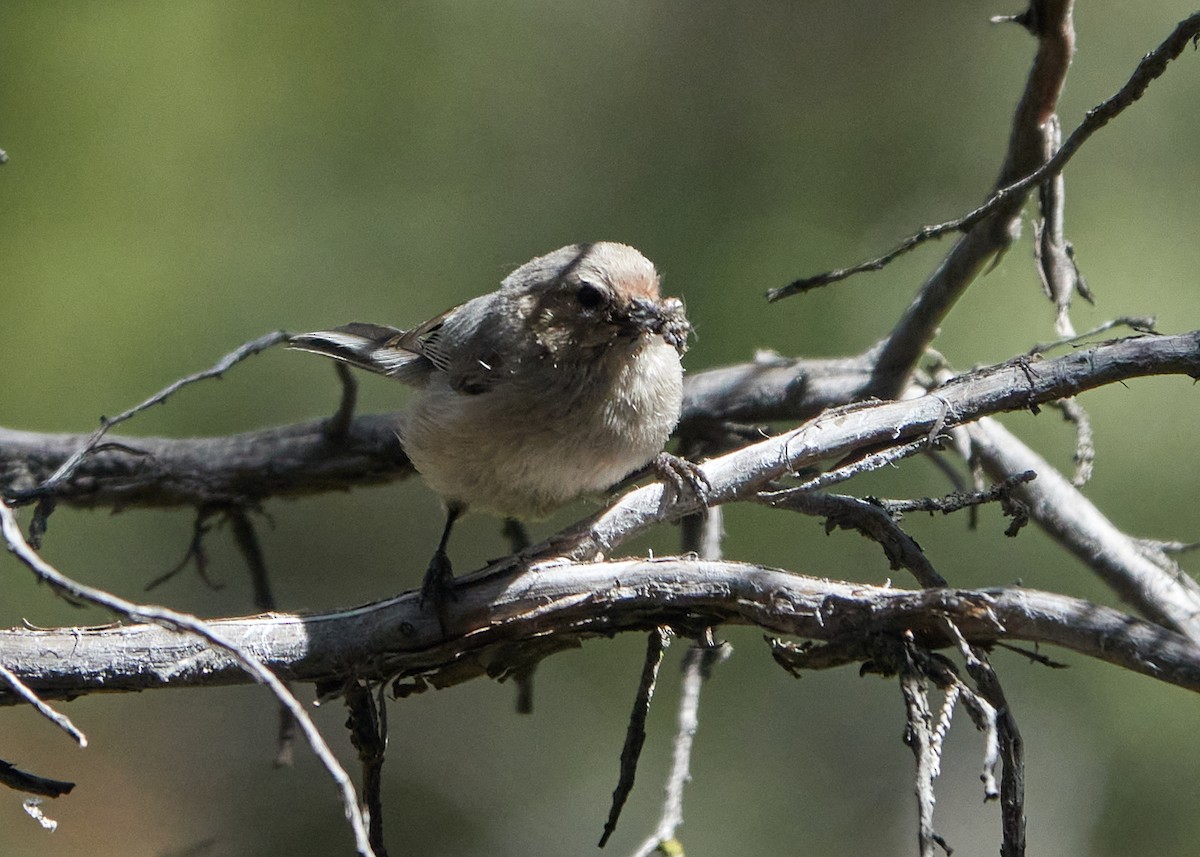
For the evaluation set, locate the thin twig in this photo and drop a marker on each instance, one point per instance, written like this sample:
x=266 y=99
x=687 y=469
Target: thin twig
x=553 y=606
x=195 y=551
x=68 y=467
x=248 y=546
x=866 y=464
x=1054 y=255
x=56 y=717
x=1136 y=323
x=696 y=665
x=918 y=735
x=1085 y=447
x=1150 y=68
x=23 y=781
x=367 y=723
x=1168 y=546
x=983 y=712
x=869 y=519
x=956 y=501
x=186 y=623
x=635 y=734
x=1011 y=747
x=246 y=539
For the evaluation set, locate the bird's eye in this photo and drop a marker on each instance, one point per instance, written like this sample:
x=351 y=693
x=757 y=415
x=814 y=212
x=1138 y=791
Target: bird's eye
x=589 y=296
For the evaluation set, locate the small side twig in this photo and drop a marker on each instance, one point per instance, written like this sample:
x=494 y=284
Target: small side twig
x=697 y=665
x=865 y=464
x=870 y=519
x=1053 y=254
x=635 y=735
x=1136 y=323
x=195 y=551
x=23 y=781
x=367 y=722
x=56 y=717
x=1085 y=448
x=246 y=539
x=919 y=736
x=958 y=500
x=1167 y=547
x=1011 y=746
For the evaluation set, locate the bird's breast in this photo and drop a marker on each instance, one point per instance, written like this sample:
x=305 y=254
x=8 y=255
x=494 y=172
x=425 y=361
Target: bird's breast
x=549 y=433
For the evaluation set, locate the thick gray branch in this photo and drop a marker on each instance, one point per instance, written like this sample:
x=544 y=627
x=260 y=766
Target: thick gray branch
x=240 y=468
x=501 y=622
x=1073 y=521
x=1009 y=386
x=288 y=460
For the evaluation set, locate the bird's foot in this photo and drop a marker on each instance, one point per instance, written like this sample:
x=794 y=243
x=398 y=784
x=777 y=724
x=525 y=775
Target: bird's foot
x=682 y=479
x=437 y=589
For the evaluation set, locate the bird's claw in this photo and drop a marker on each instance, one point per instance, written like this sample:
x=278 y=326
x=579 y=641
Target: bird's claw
x=437 y=589
x=682 y=479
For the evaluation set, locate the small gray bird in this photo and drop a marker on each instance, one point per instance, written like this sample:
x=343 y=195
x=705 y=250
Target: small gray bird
x=562 y=382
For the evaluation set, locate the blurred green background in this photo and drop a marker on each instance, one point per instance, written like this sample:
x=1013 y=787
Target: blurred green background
x=185 y=176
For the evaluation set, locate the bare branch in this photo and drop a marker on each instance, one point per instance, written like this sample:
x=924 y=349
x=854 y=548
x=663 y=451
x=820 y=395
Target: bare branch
x=241 y=469
x=553 y=606
x=918 y=735
x=1019 y=384
x=1011 y=748
x=174 y=622
x=246 y=468
x=1052 y=252
x=1085 y=447
x=23 y=781
x=959 y=500
x=367 y=723
x=1017 y=185
x=869 y=519
x=635 y=735
x=68 y=467
x=1076 y=524
x=770 y=388
x=696 y=667
x=1055 y=45
x=990 y=232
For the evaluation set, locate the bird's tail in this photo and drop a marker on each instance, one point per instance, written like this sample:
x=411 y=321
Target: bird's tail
x=373 y=347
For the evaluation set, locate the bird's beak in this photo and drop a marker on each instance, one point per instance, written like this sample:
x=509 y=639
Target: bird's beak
x=665 y=318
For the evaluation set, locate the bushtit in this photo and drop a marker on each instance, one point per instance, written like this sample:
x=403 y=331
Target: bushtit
x=562 y=382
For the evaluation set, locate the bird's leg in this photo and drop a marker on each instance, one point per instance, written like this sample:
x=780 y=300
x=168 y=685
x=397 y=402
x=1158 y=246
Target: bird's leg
x=518 y=540
x=438 y=585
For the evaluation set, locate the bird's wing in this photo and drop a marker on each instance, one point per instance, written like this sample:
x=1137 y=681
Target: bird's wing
x=407 y=355
x=411 y=355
